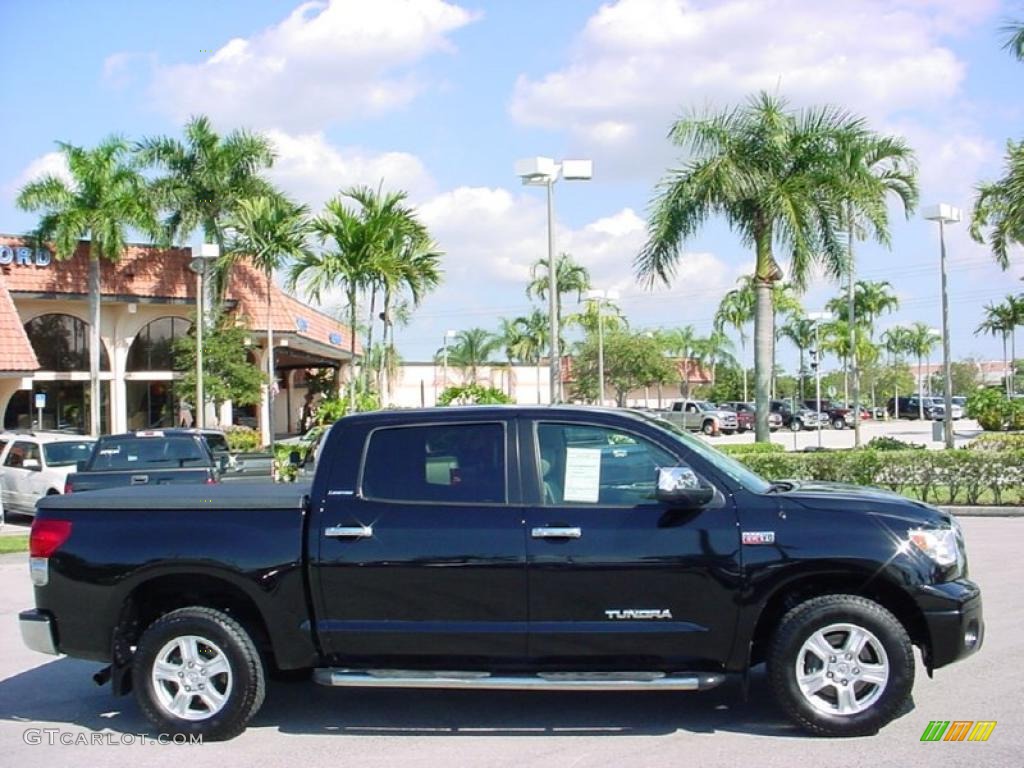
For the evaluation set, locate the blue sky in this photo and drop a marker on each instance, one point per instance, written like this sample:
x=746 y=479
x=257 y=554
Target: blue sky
x=440 y=98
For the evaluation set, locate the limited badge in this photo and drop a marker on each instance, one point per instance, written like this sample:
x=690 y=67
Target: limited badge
x=759 y=537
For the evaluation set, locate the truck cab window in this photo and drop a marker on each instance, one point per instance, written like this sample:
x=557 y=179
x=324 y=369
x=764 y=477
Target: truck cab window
x=444 y=463
x=596 y=465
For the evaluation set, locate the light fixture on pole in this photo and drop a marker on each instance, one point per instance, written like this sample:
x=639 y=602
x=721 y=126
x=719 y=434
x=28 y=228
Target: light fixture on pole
x=817 y=318
x=449 y=334
x=202 y=266
x=600 y=297
x=945 y=214
x=544 y=172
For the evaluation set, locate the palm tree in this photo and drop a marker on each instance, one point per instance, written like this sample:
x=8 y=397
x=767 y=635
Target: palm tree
x=779 y=180
x=999 y=207
x=896 y=341
x=532 y=340
x=801 y=331
x=921 y=340
x=713 y=349
x=270 y=231
x=205 y=179
x=472 y=348
x=105 y=196
x=348 y=262
x=1002 y=319
x=736 y=310
x=570 y=277
x=1013 y=38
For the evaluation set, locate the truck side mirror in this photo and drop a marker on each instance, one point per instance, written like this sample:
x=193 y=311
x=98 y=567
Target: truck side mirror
x=680 y=487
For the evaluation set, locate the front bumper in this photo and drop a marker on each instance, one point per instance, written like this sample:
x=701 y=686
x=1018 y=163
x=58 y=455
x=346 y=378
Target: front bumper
x=38 y=631
x=953 y=617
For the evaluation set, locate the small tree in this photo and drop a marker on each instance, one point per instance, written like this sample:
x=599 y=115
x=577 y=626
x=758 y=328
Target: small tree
x=227 y=372
x=631 y=360
x=473 y=394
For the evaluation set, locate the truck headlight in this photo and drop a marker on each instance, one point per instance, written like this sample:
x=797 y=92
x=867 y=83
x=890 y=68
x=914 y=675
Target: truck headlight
x=941 y=545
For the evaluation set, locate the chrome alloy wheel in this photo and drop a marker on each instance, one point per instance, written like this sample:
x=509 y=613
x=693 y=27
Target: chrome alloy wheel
x=842 y=669
x=191 y=677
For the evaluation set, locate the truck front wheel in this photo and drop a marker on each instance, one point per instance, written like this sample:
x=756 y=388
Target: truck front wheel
x=841 y=665
x=709 y=428
x=196 y=671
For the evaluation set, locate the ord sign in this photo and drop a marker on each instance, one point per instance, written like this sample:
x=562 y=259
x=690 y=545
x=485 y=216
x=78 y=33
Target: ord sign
x=25 y=257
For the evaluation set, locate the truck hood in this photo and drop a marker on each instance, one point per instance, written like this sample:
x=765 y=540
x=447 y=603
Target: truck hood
x=846 y=497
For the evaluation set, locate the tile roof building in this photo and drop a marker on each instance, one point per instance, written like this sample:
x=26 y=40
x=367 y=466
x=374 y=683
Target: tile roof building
x=148 y=299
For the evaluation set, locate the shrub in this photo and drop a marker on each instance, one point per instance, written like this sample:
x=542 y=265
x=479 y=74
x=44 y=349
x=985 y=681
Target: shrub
x=241 y=439
x=473 y=394
x=993 y=410
x=938 y=477
x=333 y=408
x=746 y=448
x=998 y=441
x=891 y=444
x=285 y=471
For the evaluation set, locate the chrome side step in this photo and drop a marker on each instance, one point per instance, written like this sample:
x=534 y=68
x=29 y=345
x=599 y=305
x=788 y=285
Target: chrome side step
x=544 y=681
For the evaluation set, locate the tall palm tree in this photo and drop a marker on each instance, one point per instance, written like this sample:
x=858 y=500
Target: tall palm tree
x=1013 y=38
x=779 y=180
x=800 y=330
x=205 y=178
x=105 y=197
x=570 y=276
x=679 y=343
x=736 y=310
x=921 y=340
x=345 y=259
x=1016 y=305
x=713 y=349
x=1002 y=319
x=896 y=341
x=532 y=341
x=270 y=231
x=473 y=348
x=998 y=214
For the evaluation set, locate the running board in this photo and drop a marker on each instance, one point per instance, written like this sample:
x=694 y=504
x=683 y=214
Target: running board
x=544 y=681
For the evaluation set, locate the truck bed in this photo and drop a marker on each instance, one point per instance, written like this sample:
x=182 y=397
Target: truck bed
x=242 y=496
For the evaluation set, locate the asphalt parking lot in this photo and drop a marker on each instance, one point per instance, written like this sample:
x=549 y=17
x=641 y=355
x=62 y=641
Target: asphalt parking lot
x=306 y=725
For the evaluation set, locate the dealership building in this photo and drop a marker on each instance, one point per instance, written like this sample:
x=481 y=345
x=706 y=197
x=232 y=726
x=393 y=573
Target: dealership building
x=148 y=301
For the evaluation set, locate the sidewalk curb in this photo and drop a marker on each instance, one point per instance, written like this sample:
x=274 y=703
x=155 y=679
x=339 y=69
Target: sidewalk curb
x=985 y=511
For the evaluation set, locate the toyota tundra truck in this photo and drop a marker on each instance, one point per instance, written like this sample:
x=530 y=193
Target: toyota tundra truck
x=526 y=548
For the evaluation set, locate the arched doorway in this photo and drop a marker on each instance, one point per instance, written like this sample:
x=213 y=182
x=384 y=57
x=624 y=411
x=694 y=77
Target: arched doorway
x=61 y=344
x=151 y=400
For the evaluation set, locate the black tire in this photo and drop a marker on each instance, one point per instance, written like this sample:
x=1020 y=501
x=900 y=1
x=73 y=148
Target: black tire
x=708 y=428
x=246 y=675
x=795 y=425
x=727 y=431
x=838 y=423
x=800 y=624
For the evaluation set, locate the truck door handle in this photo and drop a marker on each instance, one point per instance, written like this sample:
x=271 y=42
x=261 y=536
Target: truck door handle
x=349 y=531
x=548 y=532
x=140 y=479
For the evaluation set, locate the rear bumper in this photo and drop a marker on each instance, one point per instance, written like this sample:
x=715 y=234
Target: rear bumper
x=954 y=619
x=38 y=631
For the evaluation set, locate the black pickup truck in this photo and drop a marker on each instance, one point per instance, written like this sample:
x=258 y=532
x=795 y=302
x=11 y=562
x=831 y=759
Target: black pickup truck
x=504 y=547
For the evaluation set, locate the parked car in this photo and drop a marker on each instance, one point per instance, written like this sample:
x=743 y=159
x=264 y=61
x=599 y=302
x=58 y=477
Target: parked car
x=35 y=464
x=939 y=408
x=715 y=570
x=746 y=413
x=703 y=416
x=801 y=418
x=839 y=416
x=231 y=466
x=146 y=457
x=912 y=406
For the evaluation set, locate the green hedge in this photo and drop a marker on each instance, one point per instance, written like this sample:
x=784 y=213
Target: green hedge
x=938 y=477
x=998 y=441
x=241 y=439
x=744 y=449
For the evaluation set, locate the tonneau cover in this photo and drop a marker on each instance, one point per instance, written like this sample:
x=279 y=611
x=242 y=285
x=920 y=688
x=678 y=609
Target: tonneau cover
x=249 y=495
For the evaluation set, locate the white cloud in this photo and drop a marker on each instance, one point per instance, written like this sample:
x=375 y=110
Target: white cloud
x=326 y=61
x=52 y=163
x=313 y=170
x=637 y=61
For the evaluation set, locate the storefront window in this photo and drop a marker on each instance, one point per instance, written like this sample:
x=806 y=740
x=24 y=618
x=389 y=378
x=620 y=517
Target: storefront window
x=152 y=405
x=153 y=348
x=61 y=343
x=66 y=408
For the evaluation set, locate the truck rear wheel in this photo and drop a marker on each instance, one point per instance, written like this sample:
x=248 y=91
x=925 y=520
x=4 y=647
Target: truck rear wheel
x=196 y=671
x=709 y=428
x=841 y=665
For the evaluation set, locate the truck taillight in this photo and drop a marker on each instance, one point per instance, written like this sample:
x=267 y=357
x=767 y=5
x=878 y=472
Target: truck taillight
x=211 y=480
x=47 y=537
x=68 y=487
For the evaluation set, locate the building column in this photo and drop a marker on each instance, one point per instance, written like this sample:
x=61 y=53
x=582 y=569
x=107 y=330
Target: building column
x=118 y=349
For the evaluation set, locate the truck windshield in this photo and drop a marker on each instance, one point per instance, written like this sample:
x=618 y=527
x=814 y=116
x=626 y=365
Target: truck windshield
x=149 y=453
x=734 y=469
x=67 y=454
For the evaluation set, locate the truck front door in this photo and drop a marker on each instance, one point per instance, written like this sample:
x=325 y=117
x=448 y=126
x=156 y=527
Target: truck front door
x=616 y=577
x=424 y=558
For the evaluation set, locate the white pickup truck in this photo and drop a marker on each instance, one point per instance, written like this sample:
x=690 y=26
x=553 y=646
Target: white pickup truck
x=703 y=416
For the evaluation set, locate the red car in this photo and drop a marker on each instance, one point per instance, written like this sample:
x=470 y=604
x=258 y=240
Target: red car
x=745 y=416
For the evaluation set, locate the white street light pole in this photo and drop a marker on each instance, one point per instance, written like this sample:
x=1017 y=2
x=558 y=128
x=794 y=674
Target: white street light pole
x=817 y=318
x=544 y=171
x=945 y=214
x=208 y=253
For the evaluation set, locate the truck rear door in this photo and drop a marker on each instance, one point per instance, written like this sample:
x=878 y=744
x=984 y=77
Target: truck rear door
x=616 y=578
x=422 y=554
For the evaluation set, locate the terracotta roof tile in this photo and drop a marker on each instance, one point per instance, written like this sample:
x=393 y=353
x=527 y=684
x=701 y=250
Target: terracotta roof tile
x=147 y=271
x=15 y=349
